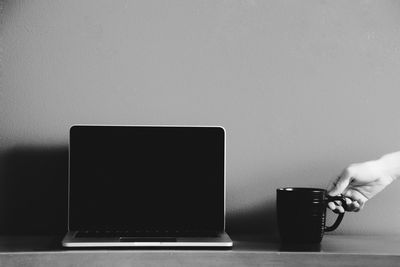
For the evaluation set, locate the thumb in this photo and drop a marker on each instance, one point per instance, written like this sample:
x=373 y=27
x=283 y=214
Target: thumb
x=341 y=184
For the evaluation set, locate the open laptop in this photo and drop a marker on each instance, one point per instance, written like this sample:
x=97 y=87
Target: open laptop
x=146 y=186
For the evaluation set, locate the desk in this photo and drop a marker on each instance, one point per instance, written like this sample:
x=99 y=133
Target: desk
x=335 y=250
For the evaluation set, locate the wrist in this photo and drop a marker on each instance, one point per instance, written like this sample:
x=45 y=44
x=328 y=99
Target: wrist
x=390 y=165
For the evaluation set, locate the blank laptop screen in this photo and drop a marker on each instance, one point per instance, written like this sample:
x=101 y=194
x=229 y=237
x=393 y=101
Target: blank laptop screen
x=146 y=177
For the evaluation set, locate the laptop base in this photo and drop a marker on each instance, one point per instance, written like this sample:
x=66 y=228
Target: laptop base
x=221 y=241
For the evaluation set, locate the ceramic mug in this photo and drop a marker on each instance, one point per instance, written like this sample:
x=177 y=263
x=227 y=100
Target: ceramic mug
x=301 y=214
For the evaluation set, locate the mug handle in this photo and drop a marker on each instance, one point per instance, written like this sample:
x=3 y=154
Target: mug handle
x=340 y=216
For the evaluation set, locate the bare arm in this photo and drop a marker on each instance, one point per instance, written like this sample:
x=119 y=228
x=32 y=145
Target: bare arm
x=360 y=182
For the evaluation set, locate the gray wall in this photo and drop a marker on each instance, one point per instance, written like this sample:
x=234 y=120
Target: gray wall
x=304 y=88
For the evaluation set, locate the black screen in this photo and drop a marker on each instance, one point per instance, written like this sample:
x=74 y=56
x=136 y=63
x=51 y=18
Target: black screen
x=146 y=177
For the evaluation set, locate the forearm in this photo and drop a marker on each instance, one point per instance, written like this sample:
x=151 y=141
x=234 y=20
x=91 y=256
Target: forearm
x=391 y=164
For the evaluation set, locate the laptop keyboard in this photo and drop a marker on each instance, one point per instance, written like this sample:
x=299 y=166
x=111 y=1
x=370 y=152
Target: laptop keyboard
x=148 y=233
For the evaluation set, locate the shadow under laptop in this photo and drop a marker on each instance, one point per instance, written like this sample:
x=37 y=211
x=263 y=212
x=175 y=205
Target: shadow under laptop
x=33 y=190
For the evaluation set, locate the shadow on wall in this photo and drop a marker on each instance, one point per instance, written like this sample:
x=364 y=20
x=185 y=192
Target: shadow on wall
x=258 y=221
x=33 y=190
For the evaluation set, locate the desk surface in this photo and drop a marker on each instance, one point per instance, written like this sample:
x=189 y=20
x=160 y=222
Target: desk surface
x=335 y=250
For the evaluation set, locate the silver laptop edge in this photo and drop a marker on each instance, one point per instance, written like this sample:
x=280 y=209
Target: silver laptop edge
x=222 y=241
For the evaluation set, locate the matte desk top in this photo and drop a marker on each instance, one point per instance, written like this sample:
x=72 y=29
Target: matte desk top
x=335 y=250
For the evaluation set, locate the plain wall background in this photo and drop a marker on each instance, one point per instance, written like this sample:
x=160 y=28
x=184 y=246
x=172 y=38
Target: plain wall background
x=303 y=88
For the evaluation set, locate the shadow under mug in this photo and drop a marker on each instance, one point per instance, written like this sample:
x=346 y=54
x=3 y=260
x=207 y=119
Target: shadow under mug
x=301 y=214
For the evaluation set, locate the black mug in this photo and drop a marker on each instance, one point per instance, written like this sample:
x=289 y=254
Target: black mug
x=301 y=214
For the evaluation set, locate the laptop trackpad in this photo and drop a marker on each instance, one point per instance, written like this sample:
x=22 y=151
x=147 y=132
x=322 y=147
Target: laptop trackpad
x=147 y=239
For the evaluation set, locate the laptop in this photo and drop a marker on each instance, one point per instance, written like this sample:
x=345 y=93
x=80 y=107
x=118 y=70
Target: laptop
x=146 y=186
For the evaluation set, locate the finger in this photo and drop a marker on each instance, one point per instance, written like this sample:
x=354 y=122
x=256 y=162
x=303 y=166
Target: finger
x=340 y=209
x=353 y=206
x=348 y=201
x=357 y=197
x=341 y=184
x=356 y=206
x=347 y=204
x=331 y=205
x=335 y=208
x=332 y=183
x=336 y=211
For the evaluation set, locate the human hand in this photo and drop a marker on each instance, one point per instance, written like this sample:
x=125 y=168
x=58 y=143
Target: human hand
x=361 y=181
